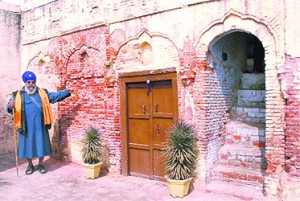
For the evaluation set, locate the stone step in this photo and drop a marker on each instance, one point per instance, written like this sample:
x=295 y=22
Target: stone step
x=251 y=98
x=239 y=155
x=245 y=134
x=239 y=175
x=253 y=81
x=242 y=192
x=250 y=115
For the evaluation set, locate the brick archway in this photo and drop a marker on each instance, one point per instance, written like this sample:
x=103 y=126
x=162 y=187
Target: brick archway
x=274 y=58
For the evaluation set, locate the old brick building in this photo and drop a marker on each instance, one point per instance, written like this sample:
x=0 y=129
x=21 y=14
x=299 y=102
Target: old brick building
x=229 y=67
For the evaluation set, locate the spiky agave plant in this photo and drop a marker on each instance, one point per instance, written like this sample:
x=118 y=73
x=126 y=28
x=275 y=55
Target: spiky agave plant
x=91 y=150
x=181 y=151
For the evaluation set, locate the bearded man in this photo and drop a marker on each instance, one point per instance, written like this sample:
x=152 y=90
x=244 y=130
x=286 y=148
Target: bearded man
x=32 y=119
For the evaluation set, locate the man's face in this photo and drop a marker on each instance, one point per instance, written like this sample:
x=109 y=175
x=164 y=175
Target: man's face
x=30 y=86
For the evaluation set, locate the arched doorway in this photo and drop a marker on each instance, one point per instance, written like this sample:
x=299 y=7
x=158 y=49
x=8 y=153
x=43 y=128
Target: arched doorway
x=274 y=57
x=238 y=61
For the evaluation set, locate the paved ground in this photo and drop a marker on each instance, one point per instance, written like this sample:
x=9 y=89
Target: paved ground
x=65 y=181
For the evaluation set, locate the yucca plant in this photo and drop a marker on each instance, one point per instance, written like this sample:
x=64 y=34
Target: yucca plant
x=91 y=150
x=181 y=151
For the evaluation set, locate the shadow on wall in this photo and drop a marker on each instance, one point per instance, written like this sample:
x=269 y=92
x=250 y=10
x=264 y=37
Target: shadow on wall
x=61 y=144
x=105 y=160
x=56 y=142
x=6 y=130
x=7 y=151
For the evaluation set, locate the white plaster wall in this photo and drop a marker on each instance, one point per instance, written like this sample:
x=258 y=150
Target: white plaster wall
x=173 y=18
x=292 y=28
x=10 y=70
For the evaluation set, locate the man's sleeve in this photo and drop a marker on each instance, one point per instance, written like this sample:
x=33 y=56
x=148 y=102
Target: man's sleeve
x=58 y=96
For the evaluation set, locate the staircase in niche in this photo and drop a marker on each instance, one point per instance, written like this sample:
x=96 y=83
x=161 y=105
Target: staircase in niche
x=242 y=164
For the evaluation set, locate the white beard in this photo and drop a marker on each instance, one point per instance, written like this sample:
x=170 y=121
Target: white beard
x=30 y=90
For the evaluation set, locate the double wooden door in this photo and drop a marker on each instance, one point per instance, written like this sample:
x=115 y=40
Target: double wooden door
x=151 y=108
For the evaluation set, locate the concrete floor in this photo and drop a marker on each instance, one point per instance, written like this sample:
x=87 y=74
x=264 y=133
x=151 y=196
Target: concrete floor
x=65 y=181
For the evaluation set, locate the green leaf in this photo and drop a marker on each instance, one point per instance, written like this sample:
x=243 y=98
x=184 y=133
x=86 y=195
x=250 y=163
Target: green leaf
x=92 y=146
x=181 y=151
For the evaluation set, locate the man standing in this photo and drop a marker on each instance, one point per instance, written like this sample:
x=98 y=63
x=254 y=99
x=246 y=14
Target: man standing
x=32 y=119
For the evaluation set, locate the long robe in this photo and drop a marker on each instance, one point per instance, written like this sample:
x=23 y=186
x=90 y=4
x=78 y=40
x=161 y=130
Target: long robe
x=36 y=142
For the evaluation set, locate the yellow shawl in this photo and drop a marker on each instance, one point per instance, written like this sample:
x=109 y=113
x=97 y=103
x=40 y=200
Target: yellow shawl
x=46 y=109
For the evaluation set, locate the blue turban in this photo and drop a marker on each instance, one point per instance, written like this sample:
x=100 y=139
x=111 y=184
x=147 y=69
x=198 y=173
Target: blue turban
x=28 y=75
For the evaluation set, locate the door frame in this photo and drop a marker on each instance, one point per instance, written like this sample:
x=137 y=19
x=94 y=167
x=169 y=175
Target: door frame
x=142 y=76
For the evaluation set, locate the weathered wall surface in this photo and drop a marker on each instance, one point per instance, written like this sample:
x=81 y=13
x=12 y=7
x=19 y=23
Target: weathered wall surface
x=290 y=78
x=85 y=44
x=10 y=69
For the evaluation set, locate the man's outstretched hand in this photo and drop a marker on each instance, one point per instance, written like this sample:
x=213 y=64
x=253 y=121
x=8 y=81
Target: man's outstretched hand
x=11 y=104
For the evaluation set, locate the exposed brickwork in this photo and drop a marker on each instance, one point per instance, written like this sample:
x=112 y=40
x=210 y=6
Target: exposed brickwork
x=80 y=62
x=188 y=62
x=290 y=85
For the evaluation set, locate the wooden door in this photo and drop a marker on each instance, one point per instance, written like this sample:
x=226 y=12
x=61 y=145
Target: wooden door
x=151 y=108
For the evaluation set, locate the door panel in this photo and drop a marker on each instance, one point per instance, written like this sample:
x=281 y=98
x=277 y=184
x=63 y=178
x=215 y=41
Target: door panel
x=163 y=98
x=158 y=166
x=139 y=131
x=139 y=162
x=138 y=100
x=160 y=126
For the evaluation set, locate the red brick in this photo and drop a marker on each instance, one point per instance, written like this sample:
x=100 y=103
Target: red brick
x=237 y=137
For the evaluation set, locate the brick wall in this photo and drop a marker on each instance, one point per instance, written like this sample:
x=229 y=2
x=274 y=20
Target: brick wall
x=289 y=79
x=79 y=62
x=290 y=87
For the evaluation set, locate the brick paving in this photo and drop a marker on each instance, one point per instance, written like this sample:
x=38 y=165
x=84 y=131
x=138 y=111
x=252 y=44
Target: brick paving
x=65 y=181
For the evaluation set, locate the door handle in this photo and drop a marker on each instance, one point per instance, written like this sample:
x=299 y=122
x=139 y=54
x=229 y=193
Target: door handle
x=156 y=108
x=144 y=108
x=157 y=129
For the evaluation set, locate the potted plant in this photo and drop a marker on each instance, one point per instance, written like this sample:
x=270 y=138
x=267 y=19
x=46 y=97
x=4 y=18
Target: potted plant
x=91 y=153
x=180 y=154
